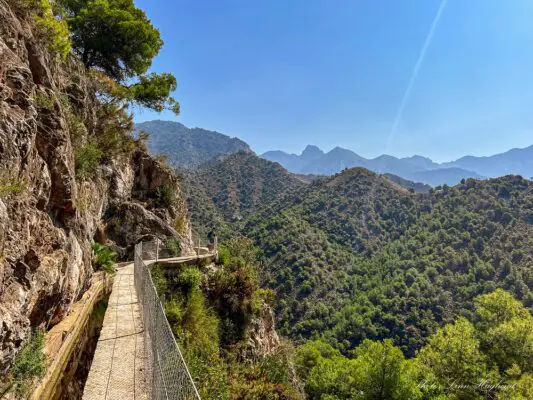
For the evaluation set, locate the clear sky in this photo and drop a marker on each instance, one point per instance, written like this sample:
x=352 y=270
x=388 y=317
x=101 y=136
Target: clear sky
x=281 y=74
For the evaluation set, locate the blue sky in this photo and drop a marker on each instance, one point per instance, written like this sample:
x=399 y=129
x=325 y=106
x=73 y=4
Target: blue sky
x=283 y=74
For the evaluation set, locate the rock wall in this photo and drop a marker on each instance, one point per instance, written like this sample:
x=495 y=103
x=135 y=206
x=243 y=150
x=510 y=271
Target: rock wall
x=262 y=336
x=48 y=217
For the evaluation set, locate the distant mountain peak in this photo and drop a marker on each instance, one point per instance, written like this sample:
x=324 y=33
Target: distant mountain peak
x=312 y=151
x=340 y=150
x=417 y=157
x=188 y=147
x=421 y=161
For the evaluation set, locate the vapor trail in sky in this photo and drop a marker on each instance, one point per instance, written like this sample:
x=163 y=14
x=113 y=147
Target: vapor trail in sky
x=414 y=74
x=370 y=196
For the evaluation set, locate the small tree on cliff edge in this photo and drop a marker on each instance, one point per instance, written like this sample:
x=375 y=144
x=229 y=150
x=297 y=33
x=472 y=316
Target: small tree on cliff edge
x=117 y=39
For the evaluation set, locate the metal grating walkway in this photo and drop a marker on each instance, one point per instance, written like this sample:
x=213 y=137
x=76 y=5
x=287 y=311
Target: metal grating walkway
x=117 y=370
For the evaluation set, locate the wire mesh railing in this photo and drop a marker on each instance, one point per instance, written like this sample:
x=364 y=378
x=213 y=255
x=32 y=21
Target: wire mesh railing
x=166 y=370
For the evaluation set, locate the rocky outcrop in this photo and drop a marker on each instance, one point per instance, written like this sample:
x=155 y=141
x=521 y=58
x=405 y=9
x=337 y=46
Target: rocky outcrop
x=48 y=216
x=262 y=336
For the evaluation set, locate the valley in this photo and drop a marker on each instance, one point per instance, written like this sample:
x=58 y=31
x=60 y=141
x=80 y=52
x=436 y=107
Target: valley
x=356 y=256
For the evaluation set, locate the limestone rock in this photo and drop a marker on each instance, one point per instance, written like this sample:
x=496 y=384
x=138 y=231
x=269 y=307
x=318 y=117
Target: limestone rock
x=263 y=338
x=48 y=217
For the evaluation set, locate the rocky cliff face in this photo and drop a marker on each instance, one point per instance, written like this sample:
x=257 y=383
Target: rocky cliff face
x=48 y=216
x=262 y=336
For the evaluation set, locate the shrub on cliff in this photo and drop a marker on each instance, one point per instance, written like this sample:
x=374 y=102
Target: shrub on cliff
x=103 y=258
x=88 y=158
x=29 y=365
x=52 y=30
x=164 y=196
x=235 y=290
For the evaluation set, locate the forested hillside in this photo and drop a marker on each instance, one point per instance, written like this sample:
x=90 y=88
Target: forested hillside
x=357 y=256
x=187 y=147
x=361 y=263
x=488 y=356
x=354 y=258
x=229 y=189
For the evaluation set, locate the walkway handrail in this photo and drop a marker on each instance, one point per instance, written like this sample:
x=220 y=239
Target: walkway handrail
x=166 y=369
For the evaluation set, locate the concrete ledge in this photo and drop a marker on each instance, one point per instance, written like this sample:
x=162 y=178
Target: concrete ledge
x=62 y=340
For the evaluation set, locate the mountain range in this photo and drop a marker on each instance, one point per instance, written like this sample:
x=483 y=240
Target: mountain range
x=189 y=148
x=417 y=168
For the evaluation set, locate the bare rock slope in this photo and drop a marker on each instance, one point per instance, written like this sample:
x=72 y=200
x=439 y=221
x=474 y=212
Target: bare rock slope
x=48 y=216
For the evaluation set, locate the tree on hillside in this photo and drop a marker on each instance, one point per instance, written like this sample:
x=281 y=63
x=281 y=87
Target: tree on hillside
x=117 y=39
x=452 y=362
x=505 y=328
x=384 y=373
x=379 y=371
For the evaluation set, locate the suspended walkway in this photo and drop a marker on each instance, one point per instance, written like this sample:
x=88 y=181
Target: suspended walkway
x=136 y=356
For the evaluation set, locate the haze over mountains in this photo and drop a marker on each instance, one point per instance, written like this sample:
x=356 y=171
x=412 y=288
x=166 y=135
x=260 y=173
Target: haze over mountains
x=417 y=168
x=192 y=147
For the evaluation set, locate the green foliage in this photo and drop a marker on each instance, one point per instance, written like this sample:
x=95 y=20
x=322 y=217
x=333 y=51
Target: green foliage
x=189 y=279
x=113 y=35
x=309 y=354
x=49 y=26
x=239 y=252
x=54 y=30
x=226 y=192
x=378 y=371
x=29 y=364
x=199 y=322
x=114 y=127
x=263 y=380
x=210 y=375
x=180 y=225
x=519 y=390
x=9 y=186
x=461 y=361
x=112 y=139
x=152 y=91
x=266 y=295
x=103 y=258
x=117 y=38
x=88 y=158
x=351 y=257
x=510 y=344
x=383 y=372
x=164 y=196
x=497 y=307
x=196 y=328
x=505 y=329
x=158 y=277
x=223 y=255
x=235 y=289
x=174 y=246
x=44 y=100
x=453 y=361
